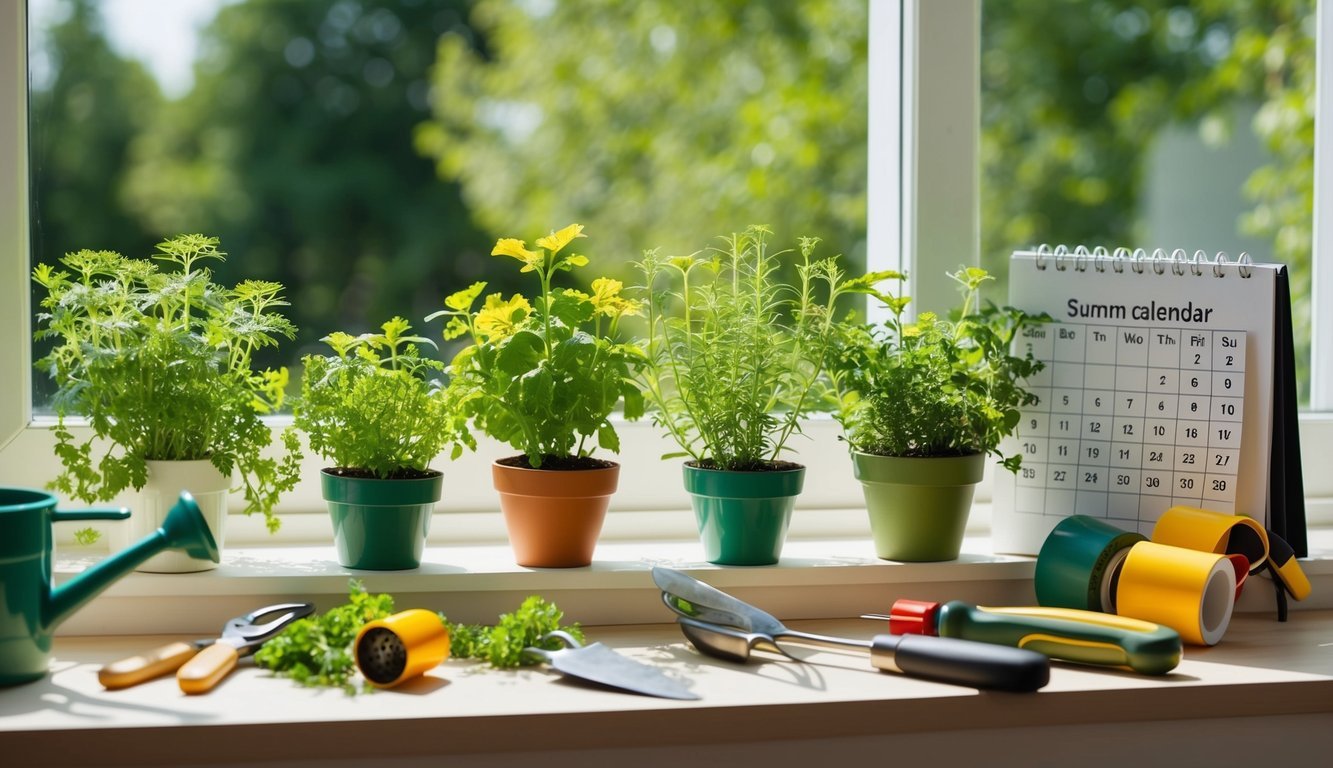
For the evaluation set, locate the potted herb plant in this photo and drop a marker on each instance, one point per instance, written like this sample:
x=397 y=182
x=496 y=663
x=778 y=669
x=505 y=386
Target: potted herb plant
x=544 y=376
x=921 y=405
x=735 y=358
x=160 y=362
x=373 y=410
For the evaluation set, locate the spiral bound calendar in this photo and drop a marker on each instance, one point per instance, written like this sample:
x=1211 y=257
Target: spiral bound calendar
x=1168 y=380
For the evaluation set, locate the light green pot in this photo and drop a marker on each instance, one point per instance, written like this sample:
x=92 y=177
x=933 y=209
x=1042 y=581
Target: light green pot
x=380 y=525
x=918 y=507
x=743 y=516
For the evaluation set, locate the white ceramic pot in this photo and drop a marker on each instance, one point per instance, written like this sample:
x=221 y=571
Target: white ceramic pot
x=166 y=480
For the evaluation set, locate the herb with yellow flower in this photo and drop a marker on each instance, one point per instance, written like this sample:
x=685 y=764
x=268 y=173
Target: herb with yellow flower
x=544 y=374
x=934 y=386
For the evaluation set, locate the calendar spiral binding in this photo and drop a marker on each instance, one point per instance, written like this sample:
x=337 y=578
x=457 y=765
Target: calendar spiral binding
x=1138 y=260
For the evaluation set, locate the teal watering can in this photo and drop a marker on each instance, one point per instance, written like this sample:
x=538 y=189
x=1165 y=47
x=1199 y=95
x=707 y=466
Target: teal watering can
x=31 y=607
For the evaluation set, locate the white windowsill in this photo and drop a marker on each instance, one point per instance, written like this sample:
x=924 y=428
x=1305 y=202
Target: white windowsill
x=817 y=578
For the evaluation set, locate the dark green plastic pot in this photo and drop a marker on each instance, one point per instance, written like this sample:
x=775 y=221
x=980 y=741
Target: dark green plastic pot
x=918 y=507
x=380 y=525
x=743 y=516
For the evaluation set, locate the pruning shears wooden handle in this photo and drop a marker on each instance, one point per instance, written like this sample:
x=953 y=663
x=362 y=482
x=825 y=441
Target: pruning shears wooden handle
x=207 y=668
x=202 y=664
x=146 y=666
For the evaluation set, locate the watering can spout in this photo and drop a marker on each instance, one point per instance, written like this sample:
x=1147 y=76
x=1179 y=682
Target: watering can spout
x=184 y=528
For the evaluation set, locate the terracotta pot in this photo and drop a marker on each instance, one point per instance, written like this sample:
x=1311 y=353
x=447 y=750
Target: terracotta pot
x=554 y=516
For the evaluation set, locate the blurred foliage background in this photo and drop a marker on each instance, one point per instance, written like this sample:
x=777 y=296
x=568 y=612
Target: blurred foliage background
x=1074 y=93
x=367 y=153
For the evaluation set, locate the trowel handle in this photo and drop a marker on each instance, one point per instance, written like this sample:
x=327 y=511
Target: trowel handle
x=145 y=666
x=961 y=662
x=207 y=668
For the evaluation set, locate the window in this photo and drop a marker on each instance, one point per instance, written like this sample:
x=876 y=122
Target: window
x=368 y=154
x=1174 y=124
x=921 y=194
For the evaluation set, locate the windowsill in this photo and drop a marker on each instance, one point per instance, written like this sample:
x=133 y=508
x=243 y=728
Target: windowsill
x=817 y=578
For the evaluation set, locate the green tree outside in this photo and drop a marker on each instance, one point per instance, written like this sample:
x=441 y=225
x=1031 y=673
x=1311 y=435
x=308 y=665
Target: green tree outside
x=1074 y=92
x=295 y=148
x=658 y=124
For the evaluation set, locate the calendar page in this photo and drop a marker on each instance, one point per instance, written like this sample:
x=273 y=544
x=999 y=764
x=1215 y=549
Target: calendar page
x=1157 y=392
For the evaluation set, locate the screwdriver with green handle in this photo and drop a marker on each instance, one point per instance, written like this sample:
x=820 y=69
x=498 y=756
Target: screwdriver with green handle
x=1067 y=634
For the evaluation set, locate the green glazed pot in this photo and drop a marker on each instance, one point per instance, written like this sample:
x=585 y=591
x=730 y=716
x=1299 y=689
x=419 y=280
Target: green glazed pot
x=380 y=525
x=918 y=506
x=743 y=516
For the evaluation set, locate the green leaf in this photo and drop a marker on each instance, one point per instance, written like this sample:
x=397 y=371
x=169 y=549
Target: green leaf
x=537 y=389
x=608 y=439
x=571 y=308
x=521 y=353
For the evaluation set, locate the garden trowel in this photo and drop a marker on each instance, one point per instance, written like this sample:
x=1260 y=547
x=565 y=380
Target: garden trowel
x=599 y=664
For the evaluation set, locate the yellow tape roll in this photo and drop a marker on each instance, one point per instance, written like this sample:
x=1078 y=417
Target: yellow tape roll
x=1217 y=532
x=1192 y=592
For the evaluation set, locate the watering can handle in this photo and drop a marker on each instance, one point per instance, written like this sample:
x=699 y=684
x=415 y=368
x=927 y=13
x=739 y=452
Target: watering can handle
x=94 y=513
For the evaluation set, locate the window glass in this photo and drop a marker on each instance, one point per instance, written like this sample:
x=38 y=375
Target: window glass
x=368 y=153
x=1151 y=124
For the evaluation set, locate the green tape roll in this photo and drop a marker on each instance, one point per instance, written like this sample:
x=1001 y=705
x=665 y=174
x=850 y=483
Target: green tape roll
x=1077 y=562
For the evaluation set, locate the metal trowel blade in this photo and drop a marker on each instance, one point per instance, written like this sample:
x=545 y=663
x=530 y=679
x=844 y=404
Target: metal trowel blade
x=599 y=664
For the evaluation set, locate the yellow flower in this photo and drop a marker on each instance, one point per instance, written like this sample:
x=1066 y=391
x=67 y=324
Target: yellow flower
x=557 y=240
x=606 y=298
x=499 y=318
x=509 y=246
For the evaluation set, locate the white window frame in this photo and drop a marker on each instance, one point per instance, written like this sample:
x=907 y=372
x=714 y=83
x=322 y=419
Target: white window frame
x=922 y=182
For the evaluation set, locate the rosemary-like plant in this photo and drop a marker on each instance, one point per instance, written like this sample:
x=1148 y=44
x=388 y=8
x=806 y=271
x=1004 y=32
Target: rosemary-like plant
x=734 y=355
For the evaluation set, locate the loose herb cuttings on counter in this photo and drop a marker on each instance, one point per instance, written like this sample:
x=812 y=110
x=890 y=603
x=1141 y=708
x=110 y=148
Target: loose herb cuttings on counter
x=502 y=645
x=317 y=651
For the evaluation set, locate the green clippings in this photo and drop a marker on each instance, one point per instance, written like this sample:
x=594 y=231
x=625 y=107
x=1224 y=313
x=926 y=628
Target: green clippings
x=317 y=651
x=502 y=645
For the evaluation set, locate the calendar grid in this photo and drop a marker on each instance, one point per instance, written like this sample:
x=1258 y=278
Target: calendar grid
x=1131 y=421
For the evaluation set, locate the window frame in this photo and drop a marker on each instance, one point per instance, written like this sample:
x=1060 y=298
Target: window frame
x=922 y=180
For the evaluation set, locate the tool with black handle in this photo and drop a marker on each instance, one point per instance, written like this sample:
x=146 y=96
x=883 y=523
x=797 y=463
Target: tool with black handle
x=941 y=659
x=1068 y=634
